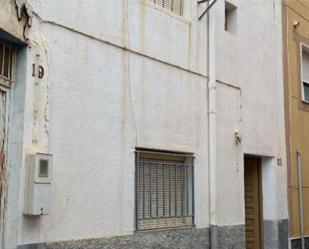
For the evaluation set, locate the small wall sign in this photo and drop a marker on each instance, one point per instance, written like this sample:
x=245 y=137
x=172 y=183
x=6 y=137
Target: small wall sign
x=37 y=71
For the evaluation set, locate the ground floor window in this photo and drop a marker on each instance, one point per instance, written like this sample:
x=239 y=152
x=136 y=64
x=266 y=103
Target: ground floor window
x=164 y=190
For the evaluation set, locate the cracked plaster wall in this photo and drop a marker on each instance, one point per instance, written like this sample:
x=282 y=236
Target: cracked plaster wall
x=108 y=88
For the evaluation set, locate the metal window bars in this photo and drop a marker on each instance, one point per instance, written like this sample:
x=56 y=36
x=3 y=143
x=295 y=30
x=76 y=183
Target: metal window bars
x=164 y=193
x=175 y=6
x=7 y=62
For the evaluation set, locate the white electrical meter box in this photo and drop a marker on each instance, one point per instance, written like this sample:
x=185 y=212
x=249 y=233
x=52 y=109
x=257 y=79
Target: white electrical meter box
x=38 y=184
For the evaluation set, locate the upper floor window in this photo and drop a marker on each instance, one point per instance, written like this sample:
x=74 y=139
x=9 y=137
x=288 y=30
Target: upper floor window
x=175 y=6
x=305 y=72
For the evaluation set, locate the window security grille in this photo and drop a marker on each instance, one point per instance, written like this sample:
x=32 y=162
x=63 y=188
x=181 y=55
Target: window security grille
x=6 y=63
x=164 y=191
x=175 y=6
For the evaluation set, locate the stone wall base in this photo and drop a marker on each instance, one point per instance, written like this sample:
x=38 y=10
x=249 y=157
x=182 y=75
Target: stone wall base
x=276 y=234
x=176 y=238
x=228 y=237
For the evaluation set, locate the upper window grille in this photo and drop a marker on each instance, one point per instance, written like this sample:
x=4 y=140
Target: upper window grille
x=305 y=72
x=7 y=53
x=164 y=190
x=175 y=6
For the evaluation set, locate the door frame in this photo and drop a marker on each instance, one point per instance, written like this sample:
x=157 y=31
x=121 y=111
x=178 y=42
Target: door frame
x=7 y=85
x=7 y=92
x=260 y=180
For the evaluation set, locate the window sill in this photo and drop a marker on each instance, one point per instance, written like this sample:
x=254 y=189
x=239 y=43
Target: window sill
x=165 y=229
x=306 y=102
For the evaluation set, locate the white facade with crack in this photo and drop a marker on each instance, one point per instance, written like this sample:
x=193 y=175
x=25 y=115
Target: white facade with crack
x=122 y=75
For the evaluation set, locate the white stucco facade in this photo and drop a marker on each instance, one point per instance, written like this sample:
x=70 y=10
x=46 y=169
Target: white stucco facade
x=121 y=75
x=250 y=61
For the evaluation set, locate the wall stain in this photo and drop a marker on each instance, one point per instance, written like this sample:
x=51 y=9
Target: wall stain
x=123 y=114
x=142 y=6
x=190 y=47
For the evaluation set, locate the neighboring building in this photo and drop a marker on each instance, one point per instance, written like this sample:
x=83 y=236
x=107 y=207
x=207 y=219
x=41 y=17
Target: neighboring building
x=296 y=68
x=133 y=124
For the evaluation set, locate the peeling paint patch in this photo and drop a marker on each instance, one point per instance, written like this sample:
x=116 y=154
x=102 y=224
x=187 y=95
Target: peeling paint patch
x=41 y=90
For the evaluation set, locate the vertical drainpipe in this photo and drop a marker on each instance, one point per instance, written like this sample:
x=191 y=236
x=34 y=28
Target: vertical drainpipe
x=212 y=131
x=300 y=199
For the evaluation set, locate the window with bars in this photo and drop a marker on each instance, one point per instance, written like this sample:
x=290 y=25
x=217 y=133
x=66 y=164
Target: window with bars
x=7 y=52
x=175 y=6
x=164 y=190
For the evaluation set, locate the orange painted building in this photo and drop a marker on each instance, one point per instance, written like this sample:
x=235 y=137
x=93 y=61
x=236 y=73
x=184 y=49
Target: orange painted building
x=296 y=68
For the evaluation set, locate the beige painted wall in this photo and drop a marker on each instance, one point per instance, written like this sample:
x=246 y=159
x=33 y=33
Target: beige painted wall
x=297 y=112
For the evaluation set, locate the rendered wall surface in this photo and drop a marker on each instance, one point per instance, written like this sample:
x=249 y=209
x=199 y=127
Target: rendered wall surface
x=9 y=21
x=250 y=59
x=119 y=75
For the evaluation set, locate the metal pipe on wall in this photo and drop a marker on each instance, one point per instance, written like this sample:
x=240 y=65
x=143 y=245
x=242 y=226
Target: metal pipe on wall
x=212 y=124
x=300 y=198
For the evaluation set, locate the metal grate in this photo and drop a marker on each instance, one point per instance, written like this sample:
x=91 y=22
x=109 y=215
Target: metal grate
x=175 y=6
x=7 y=53
x=164 y=191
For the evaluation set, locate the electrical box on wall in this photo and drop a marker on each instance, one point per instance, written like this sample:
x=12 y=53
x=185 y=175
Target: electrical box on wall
x=38 y=184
